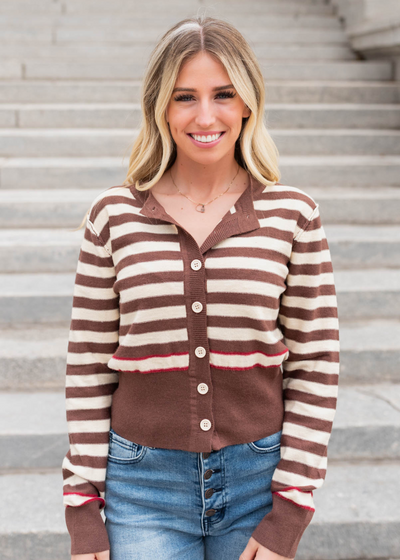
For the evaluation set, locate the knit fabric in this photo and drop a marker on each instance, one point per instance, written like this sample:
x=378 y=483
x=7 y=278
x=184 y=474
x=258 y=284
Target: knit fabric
x=196 y=348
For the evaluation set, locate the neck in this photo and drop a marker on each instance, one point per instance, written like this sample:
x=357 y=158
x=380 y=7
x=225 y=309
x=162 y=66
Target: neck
x=202 y=182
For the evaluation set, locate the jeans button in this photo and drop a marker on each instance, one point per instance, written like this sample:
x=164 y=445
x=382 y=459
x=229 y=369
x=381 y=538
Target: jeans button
x=208 y=474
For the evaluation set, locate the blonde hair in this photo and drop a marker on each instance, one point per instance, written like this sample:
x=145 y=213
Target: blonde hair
x=154 y=150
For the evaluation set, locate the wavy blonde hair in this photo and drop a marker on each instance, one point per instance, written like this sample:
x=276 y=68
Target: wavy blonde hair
x=154 y=150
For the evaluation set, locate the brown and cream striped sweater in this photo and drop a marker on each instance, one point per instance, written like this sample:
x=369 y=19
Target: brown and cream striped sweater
x=196 y=348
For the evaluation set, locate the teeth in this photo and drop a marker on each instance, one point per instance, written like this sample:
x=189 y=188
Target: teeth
x=206 y=139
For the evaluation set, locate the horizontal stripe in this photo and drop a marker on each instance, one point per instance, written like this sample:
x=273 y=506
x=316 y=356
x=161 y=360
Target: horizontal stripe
x=271 y=337
x=156 y=266
x=86 y=473
x=246 y=287
x=249 y=263
x=304 y=433
x=310 y=387
x=304 y=457
x=304 y=409
x=87 y=426
x=158 y=337
x=302 y=499
x=89 y=449
x=284 y=477
x=151 y=363
x=88 y=403
x=90 y=380
x=242 y=361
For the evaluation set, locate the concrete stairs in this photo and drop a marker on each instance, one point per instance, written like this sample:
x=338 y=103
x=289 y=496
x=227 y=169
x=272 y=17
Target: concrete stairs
x=70 y=74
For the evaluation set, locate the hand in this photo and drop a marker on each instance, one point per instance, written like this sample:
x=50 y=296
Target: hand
x=255 y=551
x=105 y=555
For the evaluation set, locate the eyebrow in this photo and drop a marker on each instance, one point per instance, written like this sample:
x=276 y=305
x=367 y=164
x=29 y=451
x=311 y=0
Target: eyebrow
x=218 y=88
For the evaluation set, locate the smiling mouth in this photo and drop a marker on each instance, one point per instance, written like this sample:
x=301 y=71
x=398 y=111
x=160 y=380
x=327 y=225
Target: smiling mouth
x=206 y=139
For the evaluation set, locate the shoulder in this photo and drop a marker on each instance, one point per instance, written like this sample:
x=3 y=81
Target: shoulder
x=293 y=205
x=287 y=197
x=109 y=202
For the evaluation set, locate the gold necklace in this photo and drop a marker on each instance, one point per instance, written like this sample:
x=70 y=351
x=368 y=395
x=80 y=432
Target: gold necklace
x=202 y=209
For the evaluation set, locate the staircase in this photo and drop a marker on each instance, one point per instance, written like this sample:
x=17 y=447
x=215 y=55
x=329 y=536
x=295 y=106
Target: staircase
x=70 y=74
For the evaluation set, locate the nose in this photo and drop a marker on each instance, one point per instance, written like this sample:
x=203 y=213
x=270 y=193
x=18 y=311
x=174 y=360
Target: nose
x=205 y=115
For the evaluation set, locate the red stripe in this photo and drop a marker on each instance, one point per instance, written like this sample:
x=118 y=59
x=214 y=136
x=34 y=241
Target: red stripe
x=92 y=500
x=244 y=368
x=248 y=353
x=80 y=494
x=152 y=370
x=149 y=357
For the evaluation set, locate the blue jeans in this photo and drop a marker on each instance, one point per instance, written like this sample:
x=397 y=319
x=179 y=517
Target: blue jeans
x=169 y=504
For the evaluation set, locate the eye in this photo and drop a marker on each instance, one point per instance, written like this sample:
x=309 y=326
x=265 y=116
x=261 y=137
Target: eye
x=183 y=97
x=227 y=94
x=188 y=97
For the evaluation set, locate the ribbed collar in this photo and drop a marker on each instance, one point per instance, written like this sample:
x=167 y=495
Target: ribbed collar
x=240 y=218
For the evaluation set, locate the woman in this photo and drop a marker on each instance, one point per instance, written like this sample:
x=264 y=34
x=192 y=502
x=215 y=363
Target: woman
x=204 y=324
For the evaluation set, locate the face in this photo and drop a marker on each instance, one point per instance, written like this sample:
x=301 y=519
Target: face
x=205 y=112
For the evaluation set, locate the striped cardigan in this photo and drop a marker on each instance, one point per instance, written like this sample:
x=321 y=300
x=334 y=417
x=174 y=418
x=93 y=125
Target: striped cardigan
x=251 y=315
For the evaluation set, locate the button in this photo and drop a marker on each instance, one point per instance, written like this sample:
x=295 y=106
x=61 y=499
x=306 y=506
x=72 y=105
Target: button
x=206 y=455
x=205 y=424
x=197 y=306
x=208 y=474
x=200 y=352
x=209 y=492
x=210 y=512
x=202 y=388
x=196 y=264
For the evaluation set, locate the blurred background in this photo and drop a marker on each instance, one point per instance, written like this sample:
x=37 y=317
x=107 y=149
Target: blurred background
x=70 y=74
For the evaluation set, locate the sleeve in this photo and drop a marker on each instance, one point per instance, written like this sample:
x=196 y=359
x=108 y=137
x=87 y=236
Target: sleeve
x=89 y=386
x=309 y=322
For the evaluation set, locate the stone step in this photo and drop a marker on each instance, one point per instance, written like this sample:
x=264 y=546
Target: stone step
x=289 y=51
x=136 y=35
x=306 y=171
x=160 y=22
x=180 y=9
x=43 y=297
x=96 y=69
x=128 y=115
x=114 y=142
x=128 y=91
x=57 y=250
x=346 y=524
x=302 y=171
x=65 y=208
x=366 y=427
x=33 y=355
x=345 y=205
x=370 y=351
x=69 y=53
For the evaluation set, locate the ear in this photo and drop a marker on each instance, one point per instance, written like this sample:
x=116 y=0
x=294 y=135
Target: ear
x=246 y=112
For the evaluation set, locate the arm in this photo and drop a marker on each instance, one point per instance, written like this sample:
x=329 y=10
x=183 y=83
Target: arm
x=90 y=384
x=309 y=323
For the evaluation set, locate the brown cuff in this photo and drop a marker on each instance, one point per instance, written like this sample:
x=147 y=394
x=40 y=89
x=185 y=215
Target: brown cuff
x=86 y=528
x=282 y=528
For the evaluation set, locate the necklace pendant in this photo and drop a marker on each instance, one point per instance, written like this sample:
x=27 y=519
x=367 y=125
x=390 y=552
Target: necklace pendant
x=202 y=209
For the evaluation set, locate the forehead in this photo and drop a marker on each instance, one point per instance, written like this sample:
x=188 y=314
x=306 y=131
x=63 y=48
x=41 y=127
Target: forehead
x=202 y=66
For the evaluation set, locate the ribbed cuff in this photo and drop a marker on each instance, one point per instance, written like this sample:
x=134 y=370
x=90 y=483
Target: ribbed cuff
x=86 y=528
x=282 y=528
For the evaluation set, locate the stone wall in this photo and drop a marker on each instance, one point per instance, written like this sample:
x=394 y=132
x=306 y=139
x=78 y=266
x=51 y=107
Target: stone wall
x=373 y=27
